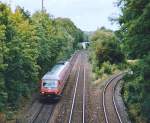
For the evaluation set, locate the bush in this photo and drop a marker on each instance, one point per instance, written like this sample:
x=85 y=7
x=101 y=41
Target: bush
x=146 y=108
x=105 y=52
x=135 y=91
x=106 y=68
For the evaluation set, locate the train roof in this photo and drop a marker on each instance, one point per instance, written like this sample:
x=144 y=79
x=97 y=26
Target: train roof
x=55 y=71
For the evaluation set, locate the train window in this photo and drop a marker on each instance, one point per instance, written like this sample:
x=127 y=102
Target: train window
x=50 y=84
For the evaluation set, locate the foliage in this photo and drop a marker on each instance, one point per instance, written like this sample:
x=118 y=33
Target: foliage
x=135 y=37
x=135 y=91
x=105 y=51
x=29 y=47
x=3 y=50
x=107 y=68
x=135 y=27
x=70 y=28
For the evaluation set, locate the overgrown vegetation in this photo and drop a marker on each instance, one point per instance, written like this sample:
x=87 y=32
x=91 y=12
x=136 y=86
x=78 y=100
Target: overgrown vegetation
x=136 y=91
x=29 y=46
x=105 y=51
x=135 y=37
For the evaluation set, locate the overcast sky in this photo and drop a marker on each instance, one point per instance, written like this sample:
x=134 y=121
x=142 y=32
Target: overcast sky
x=88 y=15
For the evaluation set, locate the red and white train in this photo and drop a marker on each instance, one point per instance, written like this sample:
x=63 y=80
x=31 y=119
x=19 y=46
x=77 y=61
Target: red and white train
x=53 y=82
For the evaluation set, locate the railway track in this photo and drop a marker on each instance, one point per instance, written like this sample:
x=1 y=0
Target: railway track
x=77 y=112
x=83 y=112
x=110 y=109
x=74 y=96
x=44 y=114
x=39 y=113
x=62 y=111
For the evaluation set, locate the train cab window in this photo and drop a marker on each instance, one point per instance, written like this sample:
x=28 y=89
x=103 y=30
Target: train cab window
x=50 y=84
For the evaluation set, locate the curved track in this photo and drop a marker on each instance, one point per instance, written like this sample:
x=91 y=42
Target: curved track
x=110 y=109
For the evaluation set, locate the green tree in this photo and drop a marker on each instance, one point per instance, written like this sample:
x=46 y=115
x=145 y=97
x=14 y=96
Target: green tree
x=22 y=70
x=3 y=93
x=71 y=29
x=105 y=48
x=4 y=12
x=135 y=38
x=135 y=27
x=29 y=47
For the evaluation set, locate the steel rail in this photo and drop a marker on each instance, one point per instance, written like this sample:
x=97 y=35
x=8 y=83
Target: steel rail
x=74 y=96
x=114 y=103
x=49 y=115
x=37 y=114
x=83 y=113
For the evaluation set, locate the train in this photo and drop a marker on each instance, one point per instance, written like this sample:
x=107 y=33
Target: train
x=53 y=82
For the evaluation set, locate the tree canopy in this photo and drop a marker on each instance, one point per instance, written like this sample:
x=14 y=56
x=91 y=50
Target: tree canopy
x=135 y=27
x=104 y=47
x=135 y=37
x=29 y=47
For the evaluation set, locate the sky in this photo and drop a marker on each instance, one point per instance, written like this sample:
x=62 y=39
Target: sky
x=88 y=15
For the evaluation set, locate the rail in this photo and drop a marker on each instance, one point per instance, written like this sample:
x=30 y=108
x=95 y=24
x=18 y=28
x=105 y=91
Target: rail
x=114 y=103
x=74 y=96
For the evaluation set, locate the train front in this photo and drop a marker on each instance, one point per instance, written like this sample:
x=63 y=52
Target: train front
x=51 y=84
x=49 y=88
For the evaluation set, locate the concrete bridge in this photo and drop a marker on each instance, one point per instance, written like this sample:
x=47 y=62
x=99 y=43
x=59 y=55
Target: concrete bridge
x=85 y=44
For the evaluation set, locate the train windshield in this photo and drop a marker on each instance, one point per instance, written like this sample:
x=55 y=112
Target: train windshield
x=50 y=84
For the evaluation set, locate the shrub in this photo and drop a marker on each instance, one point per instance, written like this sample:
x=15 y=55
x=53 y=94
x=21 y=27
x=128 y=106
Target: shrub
x=135 y=91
